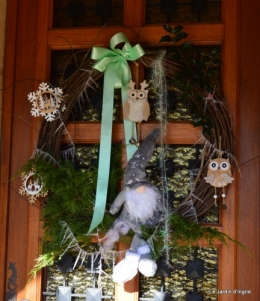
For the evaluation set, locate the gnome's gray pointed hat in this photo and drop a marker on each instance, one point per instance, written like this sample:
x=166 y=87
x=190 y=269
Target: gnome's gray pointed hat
x=135 y=171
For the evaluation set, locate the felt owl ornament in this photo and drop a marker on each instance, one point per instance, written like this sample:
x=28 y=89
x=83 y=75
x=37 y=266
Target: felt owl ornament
x=136 y=107
x=219 y=175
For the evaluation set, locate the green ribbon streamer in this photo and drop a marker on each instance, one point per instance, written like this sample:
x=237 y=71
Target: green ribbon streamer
x=117 y=74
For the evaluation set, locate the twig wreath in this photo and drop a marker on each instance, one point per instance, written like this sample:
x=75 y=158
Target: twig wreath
x=68 y=207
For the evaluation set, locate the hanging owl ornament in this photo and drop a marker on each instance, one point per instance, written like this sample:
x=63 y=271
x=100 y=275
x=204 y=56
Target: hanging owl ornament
x=219 y=175
x=136 y=107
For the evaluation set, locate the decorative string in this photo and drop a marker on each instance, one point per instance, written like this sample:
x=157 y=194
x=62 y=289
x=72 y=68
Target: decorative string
x=71 y=150
x=18 y=116
x=73 y=245
x=193 y=173
x=90 y=83
x=191 y=212
x=153 y=239
x=159 y=83
x=210 y=97
x=37 y=153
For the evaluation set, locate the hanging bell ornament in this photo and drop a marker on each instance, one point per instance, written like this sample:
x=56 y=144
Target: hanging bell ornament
x=134 y=142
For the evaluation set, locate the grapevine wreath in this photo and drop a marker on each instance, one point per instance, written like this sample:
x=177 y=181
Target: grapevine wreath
x=67 y=193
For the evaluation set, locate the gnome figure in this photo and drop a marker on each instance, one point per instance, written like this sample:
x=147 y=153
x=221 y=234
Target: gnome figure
x=142 y=205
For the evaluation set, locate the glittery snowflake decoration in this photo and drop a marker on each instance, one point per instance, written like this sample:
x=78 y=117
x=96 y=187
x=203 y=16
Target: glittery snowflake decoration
x=31 y=187
x=46 y=101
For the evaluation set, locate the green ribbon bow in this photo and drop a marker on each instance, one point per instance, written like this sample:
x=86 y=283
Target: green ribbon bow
x=117 y=74
x=116 y=59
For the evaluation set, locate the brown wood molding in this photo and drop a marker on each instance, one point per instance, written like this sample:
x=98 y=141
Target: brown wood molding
x=230 y=84
x=83 y=38
x=6 y=138
x=128 y=291
x=18 y=243
x=134 y=20
x=248 y=213
x=89 y=132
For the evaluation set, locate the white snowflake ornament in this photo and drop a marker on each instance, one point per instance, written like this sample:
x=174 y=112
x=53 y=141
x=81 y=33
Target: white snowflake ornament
x=31 y=187
x=46 y=101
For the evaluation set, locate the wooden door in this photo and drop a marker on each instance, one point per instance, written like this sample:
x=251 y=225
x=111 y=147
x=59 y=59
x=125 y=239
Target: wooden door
x=29 y=42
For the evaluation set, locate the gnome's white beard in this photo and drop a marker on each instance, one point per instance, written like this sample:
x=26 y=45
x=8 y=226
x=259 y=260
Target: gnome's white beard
x=141 y=206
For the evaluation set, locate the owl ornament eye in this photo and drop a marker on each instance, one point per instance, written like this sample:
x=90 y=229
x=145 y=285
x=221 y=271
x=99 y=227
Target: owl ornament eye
x=224 y=166
x=141 y=95
x=219 y=175
x=213 y=165
x=133 y=95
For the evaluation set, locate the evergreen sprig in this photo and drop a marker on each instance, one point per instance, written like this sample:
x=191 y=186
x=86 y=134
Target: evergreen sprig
x=42 y=261
x=186 y=232
x=183 y=232
x=71 y=197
